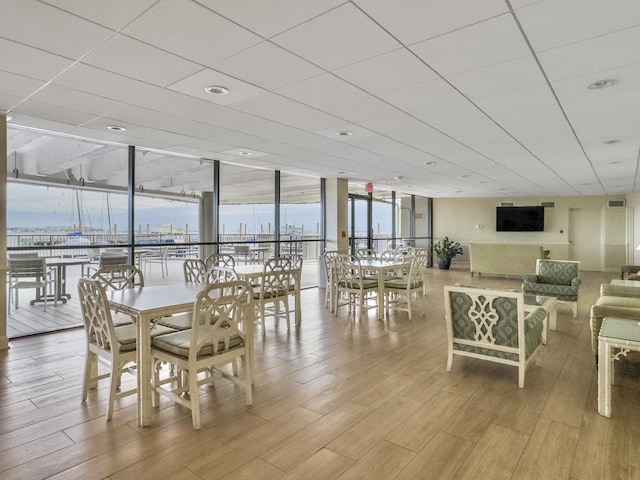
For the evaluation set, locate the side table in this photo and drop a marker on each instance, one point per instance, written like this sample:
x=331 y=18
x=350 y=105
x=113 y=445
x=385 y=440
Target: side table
x=615 y=333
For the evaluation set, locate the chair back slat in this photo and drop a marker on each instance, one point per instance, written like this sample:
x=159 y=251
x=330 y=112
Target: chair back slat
x=96 y=314
x=119 y=277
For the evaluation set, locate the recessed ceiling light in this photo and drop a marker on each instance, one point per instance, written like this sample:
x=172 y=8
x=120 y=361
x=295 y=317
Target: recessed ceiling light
x=245 y=153
x=344 y=133
x=611 y=142
x=217 y=90
x=116 y=128
x=602 y=84
x=429 y=163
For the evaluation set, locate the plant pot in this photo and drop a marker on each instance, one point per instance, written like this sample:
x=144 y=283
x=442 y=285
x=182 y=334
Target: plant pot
x=444 y=263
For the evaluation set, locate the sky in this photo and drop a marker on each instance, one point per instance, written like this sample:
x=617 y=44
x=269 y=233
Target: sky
x=34 y=206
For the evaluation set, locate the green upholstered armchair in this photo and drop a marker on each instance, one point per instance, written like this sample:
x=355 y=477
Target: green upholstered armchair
x=491 y=325
x=555 y=278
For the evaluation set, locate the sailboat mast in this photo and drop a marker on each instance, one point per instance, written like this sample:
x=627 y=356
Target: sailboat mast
x=109 y=213
x=81 y=227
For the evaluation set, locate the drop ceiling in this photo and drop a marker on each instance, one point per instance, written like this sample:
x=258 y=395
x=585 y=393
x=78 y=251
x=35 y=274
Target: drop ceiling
x=467 y=98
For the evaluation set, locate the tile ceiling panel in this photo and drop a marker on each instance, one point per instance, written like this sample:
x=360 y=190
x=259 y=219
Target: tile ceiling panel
x=539 y=97
x=554 y=23
x=361 y=109
x=268 y=66
x=396 y=69
x=197 y=33
x=270 y=18
x=126 y=56
x=53 y=112
x=499 y=77
x=30 y=62
x=86 y=78
x=76 y=100
x=423 y=95
x=353 y=38
x=492 y=41
x=412 y=21
x=18 y=85
x=322 y=90
x=195 y=85
x=113 y=14
x=270 y=105
x=227 y=117
x=49 y=29
x=311 y=120
x=594 y=55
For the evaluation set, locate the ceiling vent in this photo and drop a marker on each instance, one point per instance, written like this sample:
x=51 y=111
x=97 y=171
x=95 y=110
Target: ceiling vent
x=506 y=204
x=616 y=203
x=548 y=204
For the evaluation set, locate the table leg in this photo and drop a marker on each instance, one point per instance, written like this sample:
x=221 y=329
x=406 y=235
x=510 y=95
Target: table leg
x=144 y=371
x=553 y=315
x=381 y=294
x=604 y=381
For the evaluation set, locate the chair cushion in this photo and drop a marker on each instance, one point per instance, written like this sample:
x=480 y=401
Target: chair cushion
x=126 y=335
x=178 y=343
x=561 y=292
x=181 y=321
x=120 y=319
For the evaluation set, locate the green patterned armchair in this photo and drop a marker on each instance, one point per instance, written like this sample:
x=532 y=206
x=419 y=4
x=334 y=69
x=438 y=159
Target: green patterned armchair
x=491 y=325
x=555 y=278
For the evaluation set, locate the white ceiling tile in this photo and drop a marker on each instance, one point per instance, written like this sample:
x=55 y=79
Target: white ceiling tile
x=554 y=23
x=197 y=33
x=312 y=120
x=18 y=85
x=268 y=66
x=538 y=97
x=270 y=105
x=396 y=69
x=594 y=55
x=423 y=95
x=47 y=28
x=361 y=109
x=322 y=90
x=338 y=38
x=499 y=77
x=76 y=100
x=412 y=21
x=392 y=123
x=195 y=85
x=227 y=117
x=113 y=14
x=272 y=17
x=30 y=62
x=492 y=41
x=53 y=112
x=272 y=130
x=138 y=60
x=439 y=116
x=7 y=101
x=86 y=78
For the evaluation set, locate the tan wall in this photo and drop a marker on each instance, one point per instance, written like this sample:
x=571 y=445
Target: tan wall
x=473 y=220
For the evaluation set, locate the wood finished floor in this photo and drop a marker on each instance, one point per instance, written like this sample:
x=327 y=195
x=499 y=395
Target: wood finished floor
x=337 y=398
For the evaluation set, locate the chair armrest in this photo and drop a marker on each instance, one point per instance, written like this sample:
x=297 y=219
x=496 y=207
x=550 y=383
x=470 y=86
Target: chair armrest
x=576 y=281
x=618 y=290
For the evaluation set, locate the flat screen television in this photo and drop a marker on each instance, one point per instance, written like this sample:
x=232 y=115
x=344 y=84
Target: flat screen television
x=520 y=219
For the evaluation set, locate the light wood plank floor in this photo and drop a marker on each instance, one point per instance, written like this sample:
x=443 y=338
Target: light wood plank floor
x=337 y=398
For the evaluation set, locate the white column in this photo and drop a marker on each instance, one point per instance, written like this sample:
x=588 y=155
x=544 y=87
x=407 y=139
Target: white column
x=4 y=340
x=337 y=195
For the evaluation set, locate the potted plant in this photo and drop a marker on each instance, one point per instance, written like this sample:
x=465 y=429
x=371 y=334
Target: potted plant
x=445 y=250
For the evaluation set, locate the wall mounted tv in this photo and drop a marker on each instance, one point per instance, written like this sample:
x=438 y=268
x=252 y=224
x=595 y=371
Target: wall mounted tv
x=520 y=219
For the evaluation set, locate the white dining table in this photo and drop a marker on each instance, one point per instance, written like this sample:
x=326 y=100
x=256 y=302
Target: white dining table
x=144 y=305
x=381 y=268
